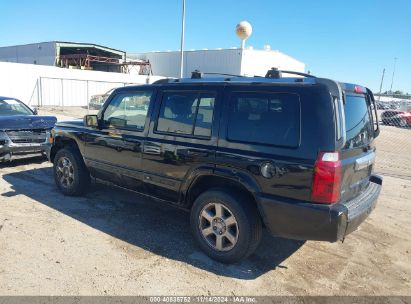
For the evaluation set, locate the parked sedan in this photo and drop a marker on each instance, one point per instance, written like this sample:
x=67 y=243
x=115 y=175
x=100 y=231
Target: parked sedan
x=400 y=117
x=22 y=131
x=381 y=105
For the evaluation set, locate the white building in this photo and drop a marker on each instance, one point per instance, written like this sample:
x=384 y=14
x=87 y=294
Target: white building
x=59 y=53
x=229 y=61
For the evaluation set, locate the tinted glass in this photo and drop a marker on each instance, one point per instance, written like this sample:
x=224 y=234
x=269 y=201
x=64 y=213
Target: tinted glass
x=128 y=110
x=265 y=118
x=13 y=107
x=204 y=115
x=357 y=121
x=189 y=113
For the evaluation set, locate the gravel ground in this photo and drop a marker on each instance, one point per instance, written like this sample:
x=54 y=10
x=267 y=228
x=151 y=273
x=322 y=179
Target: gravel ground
x=115 y=242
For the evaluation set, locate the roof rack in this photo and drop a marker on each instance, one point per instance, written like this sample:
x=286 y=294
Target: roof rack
x=272 y=75
x=276 y=73
x=196 y=74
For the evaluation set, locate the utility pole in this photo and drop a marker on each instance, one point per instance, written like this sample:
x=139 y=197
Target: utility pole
x=393 y=72
x=382 y=80
x=182 y=41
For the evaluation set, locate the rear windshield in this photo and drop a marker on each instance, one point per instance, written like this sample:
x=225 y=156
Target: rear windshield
x=359 y=129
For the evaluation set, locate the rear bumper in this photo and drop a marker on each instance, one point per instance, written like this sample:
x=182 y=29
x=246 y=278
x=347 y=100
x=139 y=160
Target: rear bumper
x=306 y=221
x=9 y=152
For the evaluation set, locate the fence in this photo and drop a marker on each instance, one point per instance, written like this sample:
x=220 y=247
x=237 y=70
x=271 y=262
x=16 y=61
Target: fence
x=65 y=92
x=394 y=142
x=392 y=96
x=39 y=85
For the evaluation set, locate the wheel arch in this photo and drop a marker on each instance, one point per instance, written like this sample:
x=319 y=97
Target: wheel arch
x=236 y=184
x=61 y=142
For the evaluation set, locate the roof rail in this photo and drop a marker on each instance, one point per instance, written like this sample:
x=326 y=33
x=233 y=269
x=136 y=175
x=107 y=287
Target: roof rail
x=273 y=73
x=196 y=74
x=276 y=73
x=165 y=80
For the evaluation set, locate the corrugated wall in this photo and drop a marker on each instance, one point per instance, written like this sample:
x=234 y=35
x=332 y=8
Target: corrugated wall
x=229 y=61
x=168 y=63
x=35 y=53
x=45 y=85
x=257 y=62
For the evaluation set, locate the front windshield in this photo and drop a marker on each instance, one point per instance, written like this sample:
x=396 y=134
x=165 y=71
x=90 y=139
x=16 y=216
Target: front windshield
x=13 y=107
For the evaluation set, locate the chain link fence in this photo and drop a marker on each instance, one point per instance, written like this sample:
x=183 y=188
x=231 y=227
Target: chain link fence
x=394 y=142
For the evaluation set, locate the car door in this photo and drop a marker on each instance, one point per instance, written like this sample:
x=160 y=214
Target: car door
x=113 y=152
x=182 y=138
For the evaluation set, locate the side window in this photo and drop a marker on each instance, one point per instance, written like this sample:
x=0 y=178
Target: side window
x=128 y=110
x=189 y=113
x=264 y=118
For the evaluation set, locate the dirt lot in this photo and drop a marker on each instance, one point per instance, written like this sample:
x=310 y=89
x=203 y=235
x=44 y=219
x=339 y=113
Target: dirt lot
x=119 y=243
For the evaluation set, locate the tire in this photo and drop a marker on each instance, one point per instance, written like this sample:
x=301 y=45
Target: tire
x=240 y=234
x=70 y=173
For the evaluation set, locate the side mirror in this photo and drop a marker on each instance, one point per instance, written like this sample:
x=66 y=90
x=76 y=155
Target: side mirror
x=35 y=111
x=91 y=121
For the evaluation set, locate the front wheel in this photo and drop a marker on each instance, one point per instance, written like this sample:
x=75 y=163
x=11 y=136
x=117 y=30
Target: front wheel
x=70 y=173
x=225 y=225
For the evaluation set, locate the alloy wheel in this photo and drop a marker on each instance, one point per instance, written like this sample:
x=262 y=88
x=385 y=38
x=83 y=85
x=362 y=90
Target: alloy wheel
x=218 y=226
x=65 y=172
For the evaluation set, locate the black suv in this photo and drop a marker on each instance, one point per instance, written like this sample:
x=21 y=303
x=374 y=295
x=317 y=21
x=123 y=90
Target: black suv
x=294 y=155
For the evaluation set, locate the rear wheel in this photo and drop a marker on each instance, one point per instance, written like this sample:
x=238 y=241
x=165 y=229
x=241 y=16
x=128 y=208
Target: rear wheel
x=225 y=225
x=70 y=173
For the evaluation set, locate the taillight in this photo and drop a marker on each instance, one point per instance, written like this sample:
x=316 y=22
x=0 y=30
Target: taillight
x=327 y=178
x=358 y=89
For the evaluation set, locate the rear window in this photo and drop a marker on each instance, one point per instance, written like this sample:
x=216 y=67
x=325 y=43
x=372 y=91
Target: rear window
x=264 y=118
x=359 y=129
x=189 y=113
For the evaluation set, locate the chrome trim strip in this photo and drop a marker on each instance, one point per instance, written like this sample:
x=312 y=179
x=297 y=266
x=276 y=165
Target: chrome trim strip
x=364 y=161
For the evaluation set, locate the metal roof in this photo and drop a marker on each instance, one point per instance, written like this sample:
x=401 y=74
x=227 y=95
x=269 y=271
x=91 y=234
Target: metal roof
x=74 y=44
x=88 y=45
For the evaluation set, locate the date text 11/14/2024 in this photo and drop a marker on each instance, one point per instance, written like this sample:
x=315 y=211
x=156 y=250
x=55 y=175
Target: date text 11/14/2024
x=203 y=299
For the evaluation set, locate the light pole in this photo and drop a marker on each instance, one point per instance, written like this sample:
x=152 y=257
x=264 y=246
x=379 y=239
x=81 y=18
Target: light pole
x=182 y=41
x=393 y=72
x=382 y=80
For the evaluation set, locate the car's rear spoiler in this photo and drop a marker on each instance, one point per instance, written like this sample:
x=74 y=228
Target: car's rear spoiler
x=338 y=103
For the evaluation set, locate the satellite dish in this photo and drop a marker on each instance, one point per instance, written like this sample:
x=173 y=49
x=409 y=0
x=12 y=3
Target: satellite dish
x=243 y=31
